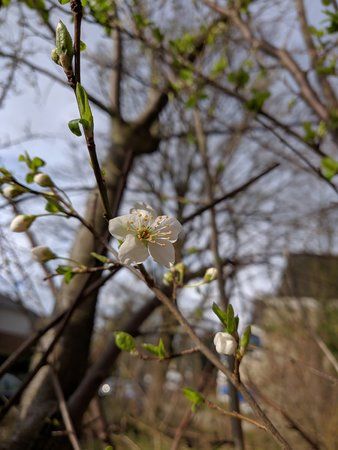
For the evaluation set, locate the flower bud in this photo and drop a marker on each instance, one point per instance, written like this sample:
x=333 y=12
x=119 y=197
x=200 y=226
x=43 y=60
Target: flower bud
x=225 y=343
x=42 y=253
x=210 y=275
x=13 y=190
x=44 y=180
x=64 y=46
x=168 y=278
x=21 y=223
x=55 y=56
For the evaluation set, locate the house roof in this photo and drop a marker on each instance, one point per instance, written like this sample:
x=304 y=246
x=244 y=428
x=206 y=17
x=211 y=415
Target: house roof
x=8 y=303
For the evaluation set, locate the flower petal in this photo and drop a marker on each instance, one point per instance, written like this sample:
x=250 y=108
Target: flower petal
x=163 y=252
x=144 y=208
x=132 y=251
x=169 y=227
x=118 y=226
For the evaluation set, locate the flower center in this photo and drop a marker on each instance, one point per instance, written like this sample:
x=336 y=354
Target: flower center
x=143 y=233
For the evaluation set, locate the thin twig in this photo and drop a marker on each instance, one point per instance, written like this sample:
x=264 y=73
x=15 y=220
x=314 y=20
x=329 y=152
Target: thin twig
x=214 y=360
x=64 y=410
x=238 y=416
x=230 y=194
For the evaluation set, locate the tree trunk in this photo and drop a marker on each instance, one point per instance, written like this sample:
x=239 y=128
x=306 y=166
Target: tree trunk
x=70 y=356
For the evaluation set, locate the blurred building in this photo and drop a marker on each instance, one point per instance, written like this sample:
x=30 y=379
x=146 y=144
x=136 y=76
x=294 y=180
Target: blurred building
x=306 y=298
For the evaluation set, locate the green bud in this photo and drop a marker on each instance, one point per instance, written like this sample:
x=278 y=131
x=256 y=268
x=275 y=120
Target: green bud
x=168 y=278
x=13 y=190
x=21 y=223
x=42 y=179
x=55 y=56
x=210 y=275
x=64 y=45
x=124 y=341
x=42 y=253
x=63 y=40
x=179 y=269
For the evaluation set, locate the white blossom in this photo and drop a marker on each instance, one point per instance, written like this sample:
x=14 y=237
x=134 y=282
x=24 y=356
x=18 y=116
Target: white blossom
x=42 y=253
x=21 y=223
x=225 y=343
x=144 y=233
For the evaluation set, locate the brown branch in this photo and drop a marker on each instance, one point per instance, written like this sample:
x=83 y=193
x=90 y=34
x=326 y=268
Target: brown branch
x=64 y=410
x=282 y=55
x=76 y=8
x=235 y=414
x=98 y=174
x=85 y=292
x=188 y=415
x=116 y=78
x=50 y=75
x=292 y=423
x=166 y=301
x=230 y=194
x=328 y=92
x=308 y=163
x=236 y=426
x=188 y=351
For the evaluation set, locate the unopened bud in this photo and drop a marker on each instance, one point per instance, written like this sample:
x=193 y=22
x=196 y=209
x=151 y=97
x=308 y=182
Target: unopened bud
x=168 y=278
x=210 y=275
x=13 y=190
x=44 y=180
x=21 y=223
x=64 y=46
x=225 y=343
x=42 y=253
x=55 y=56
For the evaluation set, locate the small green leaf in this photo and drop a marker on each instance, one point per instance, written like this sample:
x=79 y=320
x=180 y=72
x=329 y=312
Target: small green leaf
x=161 y=349
x=36 y=163
x=124 y=341
x=329 y=167
x=220 y=314
x=67 y=272
x=245 y=339
x=231 y=323
x=68 y=277
x=257 y=100
x=74 y=126
x=332 y=18
x=100 y=258
x=30 y=177
x=84 y=107
x=157 y=34
x=52 y=206
x=219 y=66
x=83 y=46
x=239 y=78
x=194 y=397
x=157 y=350
x=64 y=2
